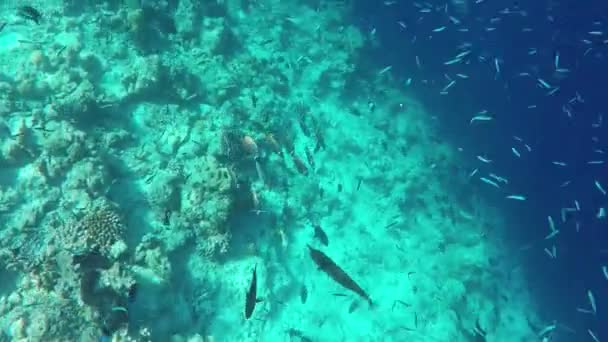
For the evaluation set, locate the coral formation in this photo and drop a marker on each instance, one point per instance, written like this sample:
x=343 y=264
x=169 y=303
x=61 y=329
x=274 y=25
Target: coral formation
x=96 y=232
x=168 y=147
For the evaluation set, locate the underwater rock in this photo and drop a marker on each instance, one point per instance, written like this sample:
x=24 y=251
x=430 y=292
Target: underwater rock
x=164 y=191
x=143 y=78
x=189 y=16
x=77 y=101
x=153 y=265
x=218 y=38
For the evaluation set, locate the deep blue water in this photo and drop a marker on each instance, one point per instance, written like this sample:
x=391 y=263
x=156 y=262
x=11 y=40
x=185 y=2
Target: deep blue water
x=557 y=28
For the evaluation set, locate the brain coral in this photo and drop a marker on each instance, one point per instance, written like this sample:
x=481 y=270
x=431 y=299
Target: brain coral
x=97 y=231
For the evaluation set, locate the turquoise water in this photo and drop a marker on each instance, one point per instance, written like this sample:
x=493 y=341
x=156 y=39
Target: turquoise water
x=152 y=156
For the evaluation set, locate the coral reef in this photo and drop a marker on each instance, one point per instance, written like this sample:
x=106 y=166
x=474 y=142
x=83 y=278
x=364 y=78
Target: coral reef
x=153 y=152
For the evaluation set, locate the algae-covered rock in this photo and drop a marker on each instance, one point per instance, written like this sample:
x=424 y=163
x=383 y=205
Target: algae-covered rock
x=188 y=18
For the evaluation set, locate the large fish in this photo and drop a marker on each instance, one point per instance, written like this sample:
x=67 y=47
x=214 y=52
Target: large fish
x=251 y=299
x=336 y=272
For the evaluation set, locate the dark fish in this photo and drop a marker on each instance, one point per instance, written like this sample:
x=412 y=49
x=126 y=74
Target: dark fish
x=2 y=26
x=167 y=217
x=303 y=294
x=303 y=125
x=310 y=158
x=402 y=303
x=371 y=106
x=299 y=164
x=320 y=144
x=355 y=112
x=132 y=293
x=391 y=224
x=336 y=273
x=319 y=135
x=479 y=333
x=299 y=334
x=30 y=13
x=353 y=306
x=251 y=299
x=320 y=234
